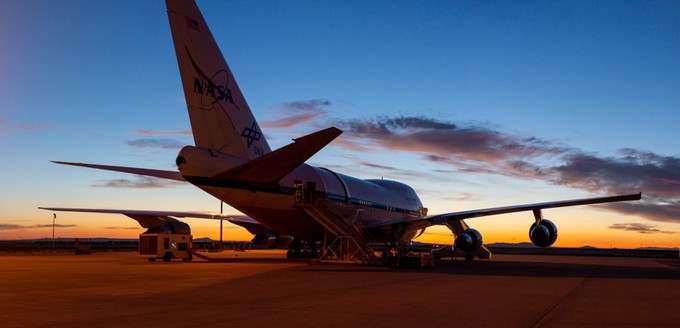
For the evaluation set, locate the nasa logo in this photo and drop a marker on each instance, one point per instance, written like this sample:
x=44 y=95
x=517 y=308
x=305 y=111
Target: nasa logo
x=252 y=134
x=213 y=89
x=209 y=88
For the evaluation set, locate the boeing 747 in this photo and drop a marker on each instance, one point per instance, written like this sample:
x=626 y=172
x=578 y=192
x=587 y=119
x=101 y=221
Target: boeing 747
x=281 y=197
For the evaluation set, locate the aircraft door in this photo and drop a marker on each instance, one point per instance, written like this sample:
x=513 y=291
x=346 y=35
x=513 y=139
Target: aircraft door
x=305 y=194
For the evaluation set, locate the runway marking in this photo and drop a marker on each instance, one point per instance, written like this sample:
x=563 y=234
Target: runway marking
x=558 y=305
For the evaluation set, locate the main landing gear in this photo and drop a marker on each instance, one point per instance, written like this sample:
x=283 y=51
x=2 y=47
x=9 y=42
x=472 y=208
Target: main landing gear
x=302 y=250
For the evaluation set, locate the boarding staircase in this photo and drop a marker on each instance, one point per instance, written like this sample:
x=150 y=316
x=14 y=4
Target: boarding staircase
x=347 y=242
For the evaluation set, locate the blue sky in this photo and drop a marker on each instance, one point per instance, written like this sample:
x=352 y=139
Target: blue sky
x=475 y=104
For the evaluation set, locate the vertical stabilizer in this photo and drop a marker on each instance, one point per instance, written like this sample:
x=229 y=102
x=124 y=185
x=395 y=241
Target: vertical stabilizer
x=220 y=117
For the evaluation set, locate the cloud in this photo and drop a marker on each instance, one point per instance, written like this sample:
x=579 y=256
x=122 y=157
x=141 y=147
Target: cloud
x=55 y=225
x=437 y=233
x=295 y=113
x=378 y=166
x=18 y=226
x=463 y=196
x=122 y=228
x=639 y=228
x=6 y=226
x=479 y=149
x=155 y=143
x=161 y=133
x=141 y=182
x=444 y=141
x=651 y=210
x=657 y=177
x=7 y=128
x=650 y=173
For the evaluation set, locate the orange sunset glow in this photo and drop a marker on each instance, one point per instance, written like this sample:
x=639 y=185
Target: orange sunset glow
x=472 y=105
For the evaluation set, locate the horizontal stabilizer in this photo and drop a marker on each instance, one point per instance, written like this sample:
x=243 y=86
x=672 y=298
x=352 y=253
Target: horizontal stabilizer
x=268 y=169
x=172 y=175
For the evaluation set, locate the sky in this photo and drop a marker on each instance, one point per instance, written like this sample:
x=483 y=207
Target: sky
x=475 y=104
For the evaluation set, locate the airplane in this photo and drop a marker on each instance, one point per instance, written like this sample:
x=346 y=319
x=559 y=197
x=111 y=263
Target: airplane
x=286 y=202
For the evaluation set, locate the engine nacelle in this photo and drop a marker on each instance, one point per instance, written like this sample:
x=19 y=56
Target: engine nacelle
x=272 y=240
x=469 y=241
x=173 y=227
x=544 y=234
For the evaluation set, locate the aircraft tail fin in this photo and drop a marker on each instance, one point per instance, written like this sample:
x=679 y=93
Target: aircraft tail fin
x=220 y=117
x=270 y=168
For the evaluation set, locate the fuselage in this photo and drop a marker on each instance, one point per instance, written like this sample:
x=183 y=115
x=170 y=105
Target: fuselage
x=366 y=203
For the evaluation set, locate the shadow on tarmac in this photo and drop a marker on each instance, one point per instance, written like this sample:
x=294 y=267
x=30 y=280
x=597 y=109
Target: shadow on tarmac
x=618 y=268
x=553 y=269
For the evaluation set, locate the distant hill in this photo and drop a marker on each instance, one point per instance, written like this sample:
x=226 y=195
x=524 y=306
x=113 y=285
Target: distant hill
x=129 y=244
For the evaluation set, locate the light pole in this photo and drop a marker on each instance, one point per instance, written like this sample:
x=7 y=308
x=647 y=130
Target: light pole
x=221 y=205
x=54 y=219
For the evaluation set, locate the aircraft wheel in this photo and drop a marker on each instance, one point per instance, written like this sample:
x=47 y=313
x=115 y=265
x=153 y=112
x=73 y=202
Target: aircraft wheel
x=151 y=259
x=469 y=257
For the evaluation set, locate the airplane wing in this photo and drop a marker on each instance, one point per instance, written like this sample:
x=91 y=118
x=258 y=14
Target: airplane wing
x=172 y=175
x=471 y=241
x=447 y=218
x=148 y=219
x=443 y=218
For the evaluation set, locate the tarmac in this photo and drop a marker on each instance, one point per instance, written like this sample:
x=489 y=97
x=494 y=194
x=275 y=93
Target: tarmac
x=122 y=289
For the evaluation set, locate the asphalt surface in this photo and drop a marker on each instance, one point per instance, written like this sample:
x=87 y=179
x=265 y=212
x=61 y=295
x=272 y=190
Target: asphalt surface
x=121 y=289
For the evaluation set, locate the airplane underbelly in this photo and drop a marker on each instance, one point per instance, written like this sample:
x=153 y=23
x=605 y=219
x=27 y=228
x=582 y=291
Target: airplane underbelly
x=293 y=222
x=273 y=210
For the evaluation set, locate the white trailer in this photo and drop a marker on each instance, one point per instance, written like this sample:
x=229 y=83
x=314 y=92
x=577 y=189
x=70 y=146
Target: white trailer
x=166 y=246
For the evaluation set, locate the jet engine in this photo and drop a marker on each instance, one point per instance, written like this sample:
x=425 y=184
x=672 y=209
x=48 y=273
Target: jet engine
x=542 y=235
x=469 y=241
x=172 y=227
x=272 y=240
